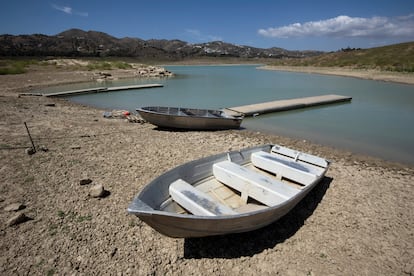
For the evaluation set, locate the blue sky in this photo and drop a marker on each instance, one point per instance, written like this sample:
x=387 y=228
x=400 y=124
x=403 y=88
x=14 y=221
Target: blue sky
x=293 y=25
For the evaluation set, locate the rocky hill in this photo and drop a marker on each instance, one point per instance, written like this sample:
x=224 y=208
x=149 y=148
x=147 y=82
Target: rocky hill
x=79 y=43
x=396 y=57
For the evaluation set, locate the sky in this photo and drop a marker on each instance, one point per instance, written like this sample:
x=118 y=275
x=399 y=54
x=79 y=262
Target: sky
x=293 y=25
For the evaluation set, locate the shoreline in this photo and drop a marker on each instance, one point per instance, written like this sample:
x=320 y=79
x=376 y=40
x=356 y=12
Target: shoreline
x=359 y=219
x=376 y=75
x=64 y=77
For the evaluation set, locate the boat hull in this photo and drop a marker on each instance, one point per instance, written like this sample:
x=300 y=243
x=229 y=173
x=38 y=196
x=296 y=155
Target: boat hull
x=202 y=119
x=147 y=205
x=189 y=226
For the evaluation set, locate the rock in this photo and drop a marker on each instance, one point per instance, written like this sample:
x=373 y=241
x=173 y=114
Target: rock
x=113 y=252
x=43 y=148
x=30 y=151
x=85 y=181
x=17 y=219
x=14 y=207
x=97 y=191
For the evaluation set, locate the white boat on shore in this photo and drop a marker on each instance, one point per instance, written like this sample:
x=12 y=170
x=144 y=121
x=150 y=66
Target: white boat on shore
x=232 y=192
x=189 y=118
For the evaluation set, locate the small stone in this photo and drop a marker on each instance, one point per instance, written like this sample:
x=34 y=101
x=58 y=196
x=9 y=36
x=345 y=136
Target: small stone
x=43 y=148
x=30 y=151
x=113 y=252
x=97 y=191
x=17 y=219
x=14 y=207
x=85 y=181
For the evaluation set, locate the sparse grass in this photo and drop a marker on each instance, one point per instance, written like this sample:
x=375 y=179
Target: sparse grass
x=73 y=216
x=61 y=214
x=121 y=65
x=67 y=218
x=104 y=65
x=323 y=255
x=20 y=65
x=108 y=65
x=5 y=146
x=84 y=218
x=74 y=162
x=398 y=58
x=29 y=179
x=13 y=67
x=53 y=229
x=41 y=262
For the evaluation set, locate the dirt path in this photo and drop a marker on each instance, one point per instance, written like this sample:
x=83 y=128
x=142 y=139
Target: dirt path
x=359 y=221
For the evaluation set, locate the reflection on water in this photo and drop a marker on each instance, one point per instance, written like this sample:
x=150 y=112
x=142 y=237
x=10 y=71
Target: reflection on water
x=378 y=121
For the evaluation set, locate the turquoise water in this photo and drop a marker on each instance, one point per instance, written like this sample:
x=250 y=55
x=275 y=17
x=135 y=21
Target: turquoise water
x=379 y=121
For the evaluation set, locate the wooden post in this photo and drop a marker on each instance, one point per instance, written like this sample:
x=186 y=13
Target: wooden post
x=30 y=137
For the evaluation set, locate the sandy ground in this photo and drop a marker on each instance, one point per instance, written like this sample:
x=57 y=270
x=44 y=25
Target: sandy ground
x=358 y=221
x=407 y=78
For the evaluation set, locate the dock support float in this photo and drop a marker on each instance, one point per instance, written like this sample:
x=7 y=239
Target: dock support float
x=284 y=105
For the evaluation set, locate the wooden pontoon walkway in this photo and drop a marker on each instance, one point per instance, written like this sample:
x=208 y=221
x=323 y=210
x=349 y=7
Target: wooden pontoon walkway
x=283 y=105
x=93 y=90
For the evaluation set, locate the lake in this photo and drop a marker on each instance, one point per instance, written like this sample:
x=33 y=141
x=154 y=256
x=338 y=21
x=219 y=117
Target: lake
x=378 y=121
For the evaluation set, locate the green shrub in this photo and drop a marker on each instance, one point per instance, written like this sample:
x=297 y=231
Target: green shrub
x=12 y=70
x=12 y=67
x=122 y=65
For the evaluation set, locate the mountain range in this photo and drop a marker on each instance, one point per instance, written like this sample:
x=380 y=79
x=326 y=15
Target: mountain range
x=79 y=43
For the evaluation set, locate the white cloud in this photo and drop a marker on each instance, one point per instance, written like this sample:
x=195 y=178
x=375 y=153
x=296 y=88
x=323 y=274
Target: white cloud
x=198 y=36
x=69 y=10
x=346 y=26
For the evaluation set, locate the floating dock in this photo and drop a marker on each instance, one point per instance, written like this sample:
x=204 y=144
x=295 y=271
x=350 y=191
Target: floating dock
x=284 y=105
x=93 y=90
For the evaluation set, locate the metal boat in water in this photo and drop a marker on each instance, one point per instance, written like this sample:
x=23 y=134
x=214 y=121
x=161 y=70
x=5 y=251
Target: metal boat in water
x=189 y=118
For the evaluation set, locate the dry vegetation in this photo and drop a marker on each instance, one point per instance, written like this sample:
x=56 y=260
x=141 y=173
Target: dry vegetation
x=397 y=58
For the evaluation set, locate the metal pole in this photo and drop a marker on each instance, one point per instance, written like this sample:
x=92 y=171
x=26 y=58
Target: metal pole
x=30 y=137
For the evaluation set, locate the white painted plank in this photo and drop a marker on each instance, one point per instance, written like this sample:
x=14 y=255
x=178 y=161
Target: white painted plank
x=260 y=187
x=197 y=202
x=286 y=167
x=312 y=159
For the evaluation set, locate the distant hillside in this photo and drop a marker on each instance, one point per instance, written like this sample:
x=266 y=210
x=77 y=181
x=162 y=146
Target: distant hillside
x=397 y=57
x=79 y=43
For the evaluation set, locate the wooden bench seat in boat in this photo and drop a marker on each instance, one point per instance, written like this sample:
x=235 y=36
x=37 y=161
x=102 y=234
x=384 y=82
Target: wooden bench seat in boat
x=283 y=166
x=262 y=188
x=196 y=201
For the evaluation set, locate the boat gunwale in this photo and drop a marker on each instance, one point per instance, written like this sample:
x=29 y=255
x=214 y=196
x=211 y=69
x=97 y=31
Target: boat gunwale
x=223 y=114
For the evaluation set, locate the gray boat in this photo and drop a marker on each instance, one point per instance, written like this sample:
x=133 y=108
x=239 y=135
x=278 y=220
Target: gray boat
x=189 y=118
x=232 y=192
